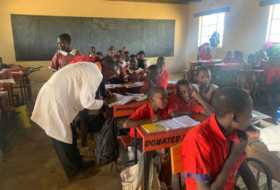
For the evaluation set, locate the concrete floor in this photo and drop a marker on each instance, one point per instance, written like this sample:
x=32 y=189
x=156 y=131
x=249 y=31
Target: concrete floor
x=31 y=162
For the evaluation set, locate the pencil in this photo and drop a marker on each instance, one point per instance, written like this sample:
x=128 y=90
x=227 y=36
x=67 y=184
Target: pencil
x=110 y=93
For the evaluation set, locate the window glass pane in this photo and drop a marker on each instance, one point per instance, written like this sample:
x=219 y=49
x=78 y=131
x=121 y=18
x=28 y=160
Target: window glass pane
x=274 y=38
x=204 y=40
x=221 y=29
x=276 y=11
x=212 y=29
x=204 y=31
x=275 y=27
x=221 y=40
x=213 y=19
x=221 y=18
x=205 y=20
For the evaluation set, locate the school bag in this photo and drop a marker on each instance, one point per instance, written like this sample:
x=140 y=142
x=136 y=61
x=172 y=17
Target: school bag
x=107 y=149
x=215 y=39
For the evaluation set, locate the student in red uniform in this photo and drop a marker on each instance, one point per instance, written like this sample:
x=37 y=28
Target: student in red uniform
x=126 y=57
x=273 y=82
x=91 y=52
x=121 y=72
x=202 y=50
x=124 y=49
x=99 y=56
x=183 y=101
x=212 y=152
x=65 y=55
x=152 y=112
x=110 y=52
x=135 y=73
x=5 y=74
x=229 y=58
x=161 y=64
x=207 y=55
x=270 y=64
x=205 y=90
x=141 y=57
x=153 y=79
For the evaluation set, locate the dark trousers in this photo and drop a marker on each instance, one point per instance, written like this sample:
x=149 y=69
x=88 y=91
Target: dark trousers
x=274 y=89
x=68 y=154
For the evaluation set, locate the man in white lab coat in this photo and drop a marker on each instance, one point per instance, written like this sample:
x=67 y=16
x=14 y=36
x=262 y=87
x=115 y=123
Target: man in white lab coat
x=59 y=101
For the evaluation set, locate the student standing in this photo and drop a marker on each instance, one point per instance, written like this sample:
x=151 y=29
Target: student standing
x=59 y=101
x=182 y=102
x=65 y=55
x=152 y=112
x=204 y=88
x=213 y=151
x=161 y=64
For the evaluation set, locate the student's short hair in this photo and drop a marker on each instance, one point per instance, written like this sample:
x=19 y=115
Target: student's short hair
x=236 y=53
x=229 y=100
x=202 y=69
x=92 y=47
x=252 y=56
x=123 y=47
x=141 y=52
x=117 y=56
x=110 y=49
x=160 y=58
x=208 y=48
x=99 y=53
x=109 y=61
x=154 y=68
x=155 y=89
x=229 y=52
x=126 y=52
x=182 y=82
x=66 y=37
x=119 y=51
x=132 y=56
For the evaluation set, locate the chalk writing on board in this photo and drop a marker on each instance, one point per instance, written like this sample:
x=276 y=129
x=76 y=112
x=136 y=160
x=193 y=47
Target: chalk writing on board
x=232 y=23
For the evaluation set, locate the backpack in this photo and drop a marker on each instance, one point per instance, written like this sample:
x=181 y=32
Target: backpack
x=215 y=39
x=107 y=148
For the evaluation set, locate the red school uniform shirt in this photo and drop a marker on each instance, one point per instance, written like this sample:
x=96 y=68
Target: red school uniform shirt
x=266 y=69
x=161 y=81
x=202 y=51
x=164 y=73
x=204 y=151
x=120 y=73
x=135 y=75
x=232 y=60
x=274 y=72
x=62 y=58
x=206 y=56
x=6 y=74
x=146 y=112
x=176 y=103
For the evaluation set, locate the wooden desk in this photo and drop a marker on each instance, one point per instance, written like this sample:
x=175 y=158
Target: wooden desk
x=166 y=139
x=23 y=69
x=258 y=150
x=171 y=88
x=127 y=109
x=229 y=67
x=259 y=72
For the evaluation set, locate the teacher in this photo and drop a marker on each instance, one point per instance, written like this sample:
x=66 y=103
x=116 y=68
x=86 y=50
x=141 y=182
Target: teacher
x=59 y=101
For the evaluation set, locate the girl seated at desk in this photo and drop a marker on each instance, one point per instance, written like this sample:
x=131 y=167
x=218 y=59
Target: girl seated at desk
x=135 y=73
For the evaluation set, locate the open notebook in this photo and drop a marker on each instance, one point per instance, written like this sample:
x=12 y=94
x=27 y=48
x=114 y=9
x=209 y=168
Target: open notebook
x=170 y=124
x=122 y=100
x=132 y=84
x=7 y=81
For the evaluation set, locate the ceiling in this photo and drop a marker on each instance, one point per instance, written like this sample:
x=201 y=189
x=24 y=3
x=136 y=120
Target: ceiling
x=163 y=1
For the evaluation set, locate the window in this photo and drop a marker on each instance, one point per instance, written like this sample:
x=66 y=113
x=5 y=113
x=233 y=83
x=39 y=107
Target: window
x=209 y=24
x=274 y=24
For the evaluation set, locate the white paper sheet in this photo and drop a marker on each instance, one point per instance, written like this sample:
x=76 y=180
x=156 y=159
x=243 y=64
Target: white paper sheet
x=186 y=121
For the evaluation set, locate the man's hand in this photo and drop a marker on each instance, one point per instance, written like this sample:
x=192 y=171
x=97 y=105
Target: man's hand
x=155 y=118
x=252 y=132
x=238 y=147
x=109 y=100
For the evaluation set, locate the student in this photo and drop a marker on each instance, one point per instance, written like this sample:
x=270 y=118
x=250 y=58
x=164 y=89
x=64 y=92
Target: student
x=110 y=52
x=124 y=49
x=207 y=55
x=248 y=80
x=5 y=74
x=120 y=72
x=205 y=90
x=213 y=151
x=152 y=112
x=99 y=56
x=161 y=64
x=135 y=73
x=59 y=101
x=270 y=64
x=126 y=57
x=264 y=58
x=182 y=103
x=91 y=52
x=258 y=58
x=152 y=79
x=120 y=53
x=141 y=57
x=65 y=55
x=201 y=50
x=273 y=82
x=229 y=58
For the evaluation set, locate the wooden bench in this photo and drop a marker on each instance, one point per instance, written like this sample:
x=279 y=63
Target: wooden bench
x=126 y=141
x=176 y=163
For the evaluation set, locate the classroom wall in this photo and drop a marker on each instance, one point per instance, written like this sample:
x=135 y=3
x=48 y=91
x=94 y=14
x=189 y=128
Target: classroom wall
x=245 y=27
x=92 y=8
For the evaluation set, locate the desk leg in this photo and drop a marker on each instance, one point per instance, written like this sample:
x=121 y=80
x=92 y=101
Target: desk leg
x=22 y=97
x=25 y=96
x=147 y=164
x=135 y=145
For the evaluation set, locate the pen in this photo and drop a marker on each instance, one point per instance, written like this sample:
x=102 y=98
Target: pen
x=110 y=93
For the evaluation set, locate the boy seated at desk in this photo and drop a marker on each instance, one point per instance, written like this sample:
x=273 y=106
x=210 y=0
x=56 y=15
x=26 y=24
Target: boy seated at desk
x=273 y=82
x=152 y=112
x=182 y=103
x=207 y=55
x=204 y=88
x=212 y=152
x=161 y=64
x=153 y=79
x=229 y=58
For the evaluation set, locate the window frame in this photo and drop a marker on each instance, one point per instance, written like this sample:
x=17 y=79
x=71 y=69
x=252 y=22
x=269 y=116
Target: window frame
x=217 y=25
x=270 y=19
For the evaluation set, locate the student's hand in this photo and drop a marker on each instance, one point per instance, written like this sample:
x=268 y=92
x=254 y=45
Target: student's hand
x=252 y=133
x=193 y=94
x=238 y=147
x=147 y=79
x=109 y=100
x=155 y=118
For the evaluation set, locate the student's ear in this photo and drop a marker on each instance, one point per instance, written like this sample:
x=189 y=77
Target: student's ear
x=234 y=118
x=151 y=99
